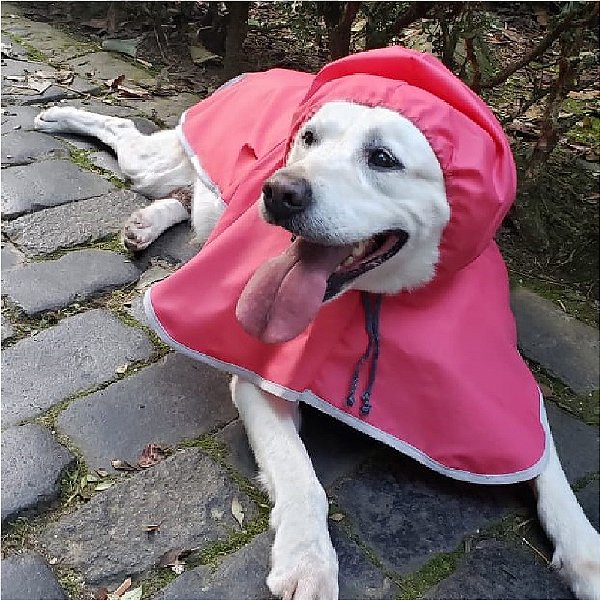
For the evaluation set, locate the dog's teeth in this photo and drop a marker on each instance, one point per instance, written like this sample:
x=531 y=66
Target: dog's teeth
x=359 y=249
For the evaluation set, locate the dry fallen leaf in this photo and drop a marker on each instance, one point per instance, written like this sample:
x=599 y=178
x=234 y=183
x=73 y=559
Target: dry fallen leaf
x=337 y=516
x=122 y=588
x=102 y=473
x=122 y=369
x=151 y=528
x=151 y=455
x=171 y=558
x=546 y=390
x=113 y=84
x=122 y=465
x=103 y=486
x=101 y=594
x=132 y=91
x=237 y=511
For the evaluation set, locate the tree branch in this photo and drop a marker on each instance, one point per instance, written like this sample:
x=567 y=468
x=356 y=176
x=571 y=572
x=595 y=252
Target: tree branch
x=588 y=11
x=472 y=58
x=417 y=10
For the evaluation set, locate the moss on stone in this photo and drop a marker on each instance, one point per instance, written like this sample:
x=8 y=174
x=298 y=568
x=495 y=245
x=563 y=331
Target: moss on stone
x=583 y=406
x=32 y=52
x=82 y=159
x=435 y=570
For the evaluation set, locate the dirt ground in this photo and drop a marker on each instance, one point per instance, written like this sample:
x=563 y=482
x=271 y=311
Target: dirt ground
x=564 y=266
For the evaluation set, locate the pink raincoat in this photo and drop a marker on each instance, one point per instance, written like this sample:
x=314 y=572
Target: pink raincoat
x=450 y=389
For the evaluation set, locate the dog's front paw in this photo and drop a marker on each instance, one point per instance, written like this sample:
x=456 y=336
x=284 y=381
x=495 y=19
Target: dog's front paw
x=580 y=566
x=303 y=565
x=138 y=231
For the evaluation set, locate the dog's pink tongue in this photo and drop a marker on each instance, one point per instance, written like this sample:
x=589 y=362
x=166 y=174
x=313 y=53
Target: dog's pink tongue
x=285 y=293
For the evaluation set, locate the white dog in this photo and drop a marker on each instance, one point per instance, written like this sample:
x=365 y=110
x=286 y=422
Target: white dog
x=371 y=192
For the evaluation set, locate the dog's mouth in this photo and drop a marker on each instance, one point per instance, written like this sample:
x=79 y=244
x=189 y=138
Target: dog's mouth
x=285 y=293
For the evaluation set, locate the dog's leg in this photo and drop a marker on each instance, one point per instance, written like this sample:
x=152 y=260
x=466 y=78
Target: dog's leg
x=577 y=544
x=156 y=164
x=303 y=561
x=146 y=224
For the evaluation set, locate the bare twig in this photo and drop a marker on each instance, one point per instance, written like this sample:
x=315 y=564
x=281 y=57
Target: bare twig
x=587 y=11
x=416 y=11
x=542 y=556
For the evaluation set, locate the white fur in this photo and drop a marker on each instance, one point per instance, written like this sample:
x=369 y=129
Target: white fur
x=362 y=202
x=351 y=203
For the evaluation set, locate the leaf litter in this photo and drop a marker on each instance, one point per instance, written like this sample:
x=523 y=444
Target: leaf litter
x=123 y=592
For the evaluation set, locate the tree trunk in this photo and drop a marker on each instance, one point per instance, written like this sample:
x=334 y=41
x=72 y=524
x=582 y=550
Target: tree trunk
x=237 y=28
x=339 y=17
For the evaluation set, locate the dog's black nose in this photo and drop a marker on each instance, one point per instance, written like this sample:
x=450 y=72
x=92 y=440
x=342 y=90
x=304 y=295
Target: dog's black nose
x=286 y=195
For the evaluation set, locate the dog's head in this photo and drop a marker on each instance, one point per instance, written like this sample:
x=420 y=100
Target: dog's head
x=386 y=186
x=362 y=184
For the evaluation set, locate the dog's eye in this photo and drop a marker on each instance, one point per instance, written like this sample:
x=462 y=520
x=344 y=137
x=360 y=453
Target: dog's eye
x=308 y=137
x=380 y=158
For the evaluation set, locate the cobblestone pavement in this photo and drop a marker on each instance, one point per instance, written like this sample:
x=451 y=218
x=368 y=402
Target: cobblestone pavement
x=86 y=383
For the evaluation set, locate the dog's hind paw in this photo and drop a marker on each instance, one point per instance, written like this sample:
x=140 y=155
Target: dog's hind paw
x=53 y=120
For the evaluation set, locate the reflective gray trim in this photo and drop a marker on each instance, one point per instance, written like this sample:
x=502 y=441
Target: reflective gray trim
x=309 y=398
x=195 y=160
x=424 y=459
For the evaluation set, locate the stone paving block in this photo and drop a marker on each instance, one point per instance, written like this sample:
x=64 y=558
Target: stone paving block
x=239 y=454
x=49 y=183
x=80 y=222
x=358 y=578
x=240 y=575
x=77 y=276
x=16 y=68
x=18 y=92
x=168 y=109
x=176 y=245
x=24 y=147
x=188 y=494
x=589 y=498
x=243 y=575
x=45 y=38
x=7 y=330
x=101 y=66
x=18 y=118
x=16 y=49
x=577 y=444
x=334 y=449
x=407 y=513
x=136 y=310
x=165 y=403
x=107 y=161
x=28 y=577
x=32 y=462
x=497 y=571
x=564 y=346
x=10 y=257
x=78 y=353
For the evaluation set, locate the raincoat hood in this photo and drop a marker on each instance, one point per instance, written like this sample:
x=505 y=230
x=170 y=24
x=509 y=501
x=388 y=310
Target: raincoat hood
x=472 y=150
x=434 y=372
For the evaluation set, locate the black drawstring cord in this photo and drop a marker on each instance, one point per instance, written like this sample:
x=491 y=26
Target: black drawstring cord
x=372 y=327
